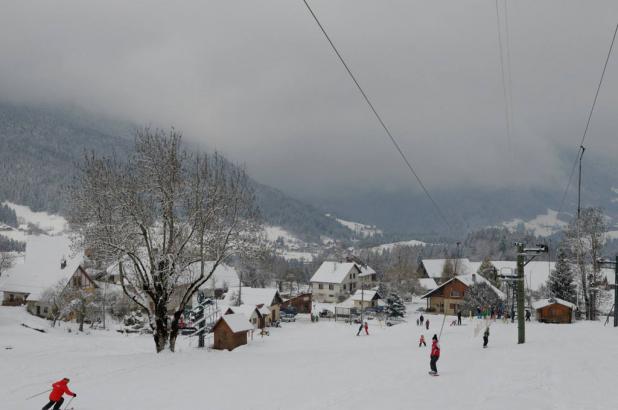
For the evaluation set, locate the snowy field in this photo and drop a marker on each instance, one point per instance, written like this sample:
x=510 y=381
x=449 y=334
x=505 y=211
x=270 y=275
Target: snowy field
x=321 y=365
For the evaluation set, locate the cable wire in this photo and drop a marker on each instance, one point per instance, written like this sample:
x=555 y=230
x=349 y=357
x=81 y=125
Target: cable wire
x=382 y=123
x=594 y=102
x=504 y=82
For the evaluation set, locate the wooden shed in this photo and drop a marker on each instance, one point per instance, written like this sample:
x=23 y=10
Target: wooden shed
x=554 y=310
x=230 y=331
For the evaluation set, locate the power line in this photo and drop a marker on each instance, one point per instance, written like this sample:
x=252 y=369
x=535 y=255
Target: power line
x=594 y=102
x=504 y=82
x=382 y=123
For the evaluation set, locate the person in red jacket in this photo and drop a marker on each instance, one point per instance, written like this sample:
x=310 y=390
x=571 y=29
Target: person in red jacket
x=58 y=390
x=435 y=355
x=366 y=329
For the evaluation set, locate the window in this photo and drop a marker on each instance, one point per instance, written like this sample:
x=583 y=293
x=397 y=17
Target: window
x=44 y=310
x=344 y=287
x=455 y=293
x=331 y=286
x=320 y=286
x=11 y=297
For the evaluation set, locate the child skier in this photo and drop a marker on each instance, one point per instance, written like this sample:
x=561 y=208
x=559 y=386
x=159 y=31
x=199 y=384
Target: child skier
x=366 y=328
x=486 y=337
x=434 y=356
x=55 y=397
x=422 y=341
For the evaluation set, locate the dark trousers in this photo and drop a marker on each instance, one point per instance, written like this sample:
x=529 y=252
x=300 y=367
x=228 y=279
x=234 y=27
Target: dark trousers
x=432 y=364
x=485 y=341
x=458 y=320
x=56 y=404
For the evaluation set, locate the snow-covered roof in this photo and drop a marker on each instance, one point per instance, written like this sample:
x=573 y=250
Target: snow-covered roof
x=253 y=296
x=434 y=267
x=333 y=272
x=237 y=322
x=264 y=310
x=223 y=277
x=428 y=283
x=247 y=310
x=365 y=270
x=469 y=280
x=547 y=302
x=42 y=266
x=366 y=295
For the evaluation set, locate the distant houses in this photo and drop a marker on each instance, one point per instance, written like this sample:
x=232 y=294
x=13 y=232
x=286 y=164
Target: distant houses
x=335 y=281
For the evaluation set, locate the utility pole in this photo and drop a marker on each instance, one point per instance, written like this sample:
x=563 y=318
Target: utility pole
x=522 y=252
x=579 y=183
x=521 y=324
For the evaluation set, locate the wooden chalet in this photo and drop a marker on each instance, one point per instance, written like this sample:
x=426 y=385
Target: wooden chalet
x=554 y=310
x=449 y=296
x=302 y=303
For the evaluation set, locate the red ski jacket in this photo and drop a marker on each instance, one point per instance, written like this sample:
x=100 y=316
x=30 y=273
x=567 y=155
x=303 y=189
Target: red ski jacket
x=58 y=389
x=435 y=349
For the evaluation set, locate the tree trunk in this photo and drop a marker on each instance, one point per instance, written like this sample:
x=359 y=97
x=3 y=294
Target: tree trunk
x=174 y=330
x=161 y=330
x=81 y=322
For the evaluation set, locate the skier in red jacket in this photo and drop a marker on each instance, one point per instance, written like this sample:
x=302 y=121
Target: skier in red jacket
x=435 y=355
x=58 y=390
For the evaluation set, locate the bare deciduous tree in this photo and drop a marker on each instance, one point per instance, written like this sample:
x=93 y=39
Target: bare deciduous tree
x=584 y=240
x=6 y=261
x=162 y=215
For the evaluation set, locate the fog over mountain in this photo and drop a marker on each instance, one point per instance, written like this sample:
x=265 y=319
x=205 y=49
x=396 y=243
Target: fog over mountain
x=257 y=81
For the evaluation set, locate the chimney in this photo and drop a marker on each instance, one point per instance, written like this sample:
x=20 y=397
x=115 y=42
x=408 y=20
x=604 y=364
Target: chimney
x=63 y=263
x=474 y=277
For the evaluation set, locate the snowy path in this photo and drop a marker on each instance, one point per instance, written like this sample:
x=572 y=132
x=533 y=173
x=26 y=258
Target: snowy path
x=317 y=366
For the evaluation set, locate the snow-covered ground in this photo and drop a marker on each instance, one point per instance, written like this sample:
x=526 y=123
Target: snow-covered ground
x=393 y=245
x=542 y=225
x=358 y=228
x=323 y=365
x=49 y=223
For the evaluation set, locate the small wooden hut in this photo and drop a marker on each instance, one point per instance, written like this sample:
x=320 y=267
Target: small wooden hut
x=230 y=331
x=301 y=302
x=554 y=310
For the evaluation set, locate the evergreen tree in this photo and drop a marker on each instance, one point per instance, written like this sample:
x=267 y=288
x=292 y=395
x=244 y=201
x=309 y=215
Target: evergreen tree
x=448 y=270
x=395 y=307
x=561 y=280
x=488 y=271
x=480 y=295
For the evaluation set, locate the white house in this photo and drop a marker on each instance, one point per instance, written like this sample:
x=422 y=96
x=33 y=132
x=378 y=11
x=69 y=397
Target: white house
x=334 y=281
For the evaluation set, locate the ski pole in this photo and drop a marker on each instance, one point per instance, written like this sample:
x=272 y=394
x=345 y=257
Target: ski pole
x=38 y=394
x=69 y=402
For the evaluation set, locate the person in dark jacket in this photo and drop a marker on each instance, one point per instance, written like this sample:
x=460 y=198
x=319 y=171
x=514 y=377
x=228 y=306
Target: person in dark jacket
x=427 y=324
x=486 y=337
x=58 y=390
x=459 y=318
x=435 y=355
x=528 y=314
x=360 y=329
x=422 y=319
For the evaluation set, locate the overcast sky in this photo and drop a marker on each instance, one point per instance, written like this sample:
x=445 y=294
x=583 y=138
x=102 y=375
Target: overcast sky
x=257 y=80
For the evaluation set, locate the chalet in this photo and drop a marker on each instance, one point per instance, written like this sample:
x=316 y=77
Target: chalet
x=301 y=303
x=450 y=295
x=47 y=264
x=334 y=281
x=434 y=268
x=554 y=310
x=259 y=297
x=230 y=331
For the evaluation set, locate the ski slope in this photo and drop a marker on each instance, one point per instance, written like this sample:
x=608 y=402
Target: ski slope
x=323 y=365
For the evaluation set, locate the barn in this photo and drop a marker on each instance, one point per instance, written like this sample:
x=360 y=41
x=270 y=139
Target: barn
x=230 y=331
x=554 y=310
